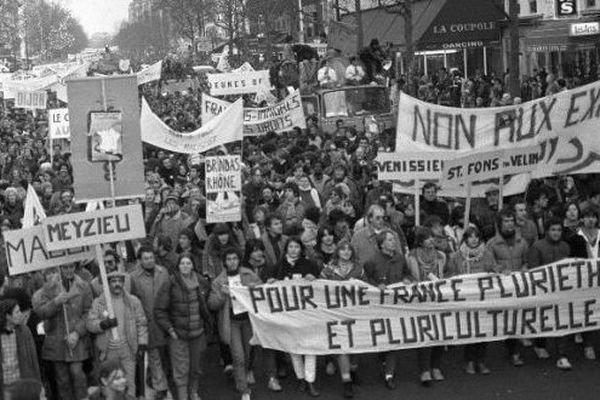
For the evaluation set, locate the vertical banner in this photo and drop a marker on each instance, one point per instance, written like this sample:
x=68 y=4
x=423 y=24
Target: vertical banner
x=104 y=117
x=223 y=189
x=58 y=124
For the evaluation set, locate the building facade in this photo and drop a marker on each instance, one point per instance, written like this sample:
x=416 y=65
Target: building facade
x=559 y=36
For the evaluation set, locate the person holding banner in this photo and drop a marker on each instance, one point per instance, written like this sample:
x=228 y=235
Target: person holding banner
x=131 y=325
x=181 y=311
x=344 y=266
x=472 y=257
x=545 y=251
x=510 y=254
x=146 y=280
x=426 y=263
x=67 y=342
x=294 y=265
x=385 y=267
x=234 y=329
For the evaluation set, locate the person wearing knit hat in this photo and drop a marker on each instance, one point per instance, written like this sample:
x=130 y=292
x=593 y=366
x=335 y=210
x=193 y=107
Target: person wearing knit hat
x=129 y=321
x=19 y=356
x=171 y=220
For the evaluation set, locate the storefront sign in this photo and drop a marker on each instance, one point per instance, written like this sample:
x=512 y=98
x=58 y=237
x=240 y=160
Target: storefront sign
x=88 y=228
x=464 y=27
x=585 y=29
x=566 y=8
x=352 y=317
x=455 y=28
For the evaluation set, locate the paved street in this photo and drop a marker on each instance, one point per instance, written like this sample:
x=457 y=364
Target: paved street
x=538 y=379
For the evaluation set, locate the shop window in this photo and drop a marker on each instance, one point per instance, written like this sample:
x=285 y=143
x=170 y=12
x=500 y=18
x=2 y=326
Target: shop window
x=591 y=3
x=533 y=6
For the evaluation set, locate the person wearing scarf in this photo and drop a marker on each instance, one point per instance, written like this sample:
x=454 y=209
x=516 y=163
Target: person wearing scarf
x=234 y=329
x=294 y=265
x=472 y=257
x=344 y=266
x=426 y=263
x=180 y=310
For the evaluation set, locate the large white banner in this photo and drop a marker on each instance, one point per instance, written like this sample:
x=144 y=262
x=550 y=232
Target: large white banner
x=328 y=317
x=58 y=124
x=224 y=129
x=238 y=83
x=223 y=188
x=278 y=118
x=565 y=126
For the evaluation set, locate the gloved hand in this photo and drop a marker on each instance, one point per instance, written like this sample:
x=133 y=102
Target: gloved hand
x=108 y=323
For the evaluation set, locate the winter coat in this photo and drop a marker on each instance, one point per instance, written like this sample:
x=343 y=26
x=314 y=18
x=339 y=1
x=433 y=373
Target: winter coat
x=171 y=226
x=270 y=255
x=220 y=302
x=546 y=252
x=55 y=345
x=136 y=326
x=182 y=309
x=365 y=244
x=508 y=258
x=145 y=287
x=26 y=354
x=382 y=269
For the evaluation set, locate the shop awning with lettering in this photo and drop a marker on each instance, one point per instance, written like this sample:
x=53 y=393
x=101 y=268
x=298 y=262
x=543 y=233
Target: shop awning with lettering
x=463 y=24
x=437 y=24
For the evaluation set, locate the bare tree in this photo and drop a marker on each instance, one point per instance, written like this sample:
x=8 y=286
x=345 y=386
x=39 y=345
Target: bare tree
x=190 y=17
x=264 y=13
x=230 y=16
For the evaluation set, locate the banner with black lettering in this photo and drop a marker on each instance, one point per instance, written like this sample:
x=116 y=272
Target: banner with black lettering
x=238 y=83
x=564 y=126
x=332 y=317
x=223 y=189
x=278 y=118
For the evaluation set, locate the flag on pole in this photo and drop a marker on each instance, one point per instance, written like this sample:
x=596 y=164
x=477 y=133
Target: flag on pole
x=34 y=211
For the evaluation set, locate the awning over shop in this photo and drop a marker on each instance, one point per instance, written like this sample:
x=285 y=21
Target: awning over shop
x=463 y=24
x=437 y=24
x=555 y=36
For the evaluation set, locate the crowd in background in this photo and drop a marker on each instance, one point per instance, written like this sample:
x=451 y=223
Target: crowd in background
x=312 y=205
